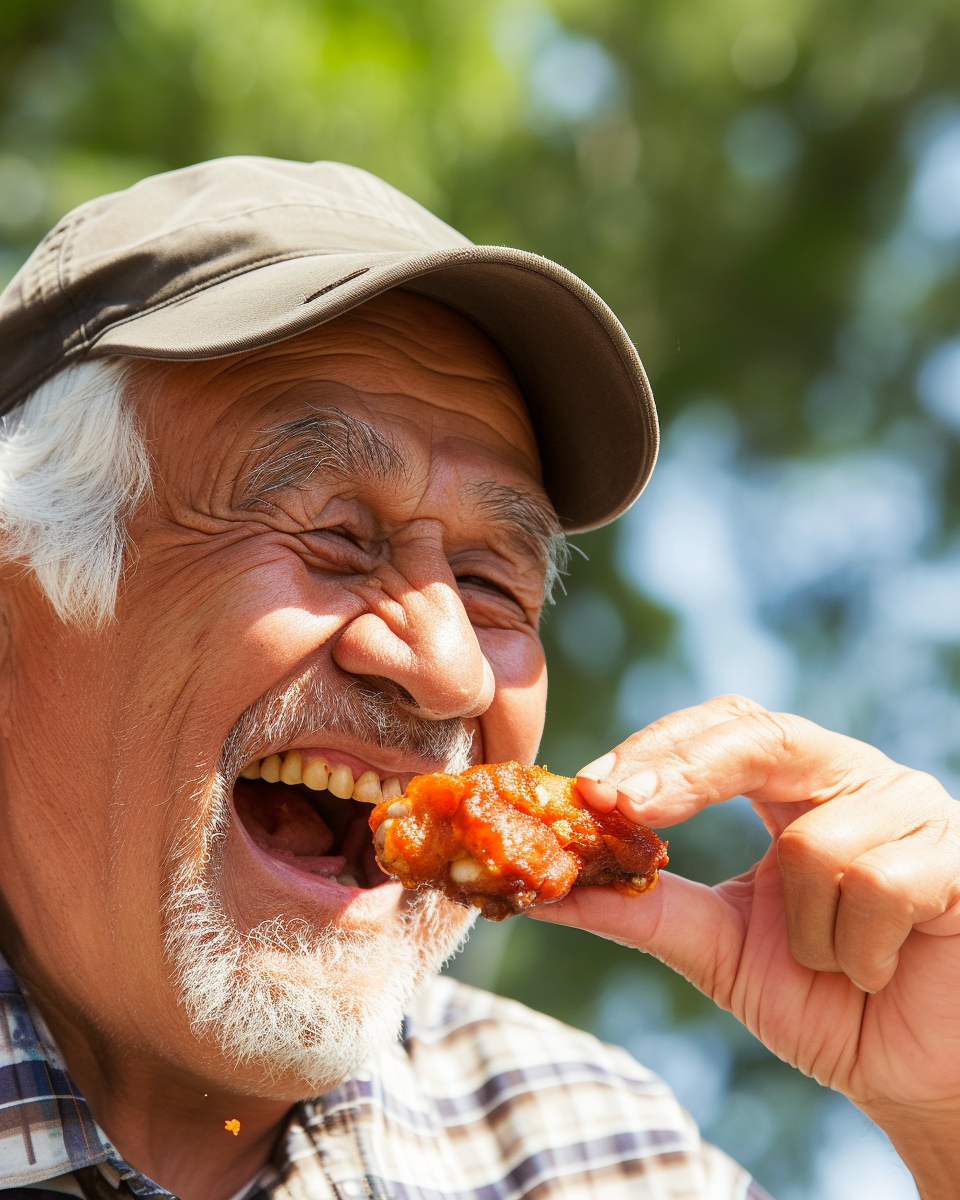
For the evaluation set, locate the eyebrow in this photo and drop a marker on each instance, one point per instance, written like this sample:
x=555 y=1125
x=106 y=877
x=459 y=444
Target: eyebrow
x=327 y=441
x=330 y=442
x=530 y=521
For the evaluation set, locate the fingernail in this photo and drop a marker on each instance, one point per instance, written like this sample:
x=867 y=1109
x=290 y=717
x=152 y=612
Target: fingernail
x=640 y=787
x=599 y=769
x=601 y=796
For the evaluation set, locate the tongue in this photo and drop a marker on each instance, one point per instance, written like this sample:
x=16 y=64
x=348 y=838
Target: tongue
x=286 y=824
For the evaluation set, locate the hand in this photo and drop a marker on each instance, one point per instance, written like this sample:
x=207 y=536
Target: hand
x=840 y=949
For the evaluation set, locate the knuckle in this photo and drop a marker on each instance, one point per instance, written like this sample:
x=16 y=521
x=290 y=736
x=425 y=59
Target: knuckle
x=893 y=777
x=800 y=848
x=663 y=729
x=688 y=778
x=937 y=830
x=636 y=741
x=770 y=740
x=733 y=707
x=670 y=725
x=872 y=885
x=946 y=834
x=735 y=704
x=925 y=784
x=932 y=795
x=777 y=731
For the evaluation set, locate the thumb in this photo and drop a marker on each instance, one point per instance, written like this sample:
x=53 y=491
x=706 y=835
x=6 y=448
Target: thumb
x=691 y=927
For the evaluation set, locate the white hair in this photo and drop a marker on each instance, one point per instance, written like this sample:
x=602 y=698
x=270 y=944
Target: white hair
x=73 y=468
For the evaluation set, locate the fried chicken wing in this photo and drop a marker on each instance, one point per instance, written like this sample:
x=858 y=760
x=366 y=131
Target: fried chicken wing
x=506 y=837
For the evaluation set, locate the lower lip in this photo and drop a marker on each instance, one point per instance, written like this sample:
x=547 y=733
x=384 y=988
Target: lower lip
x=332 y=896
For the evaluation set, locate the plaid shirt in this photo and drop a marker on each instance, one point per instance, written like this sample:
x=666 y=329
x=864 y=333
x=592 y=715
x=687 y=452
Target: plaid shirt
x=482 y=1099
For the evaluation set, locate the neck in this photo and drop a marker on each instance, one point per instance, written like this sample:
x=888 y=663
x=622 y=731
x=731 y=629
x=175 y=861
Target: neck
x=169 y=1123
x=180 y=1140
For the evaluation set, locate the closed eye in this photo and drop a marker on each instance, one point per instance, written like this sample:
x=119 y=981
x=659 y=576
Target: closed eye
x=487 y=584
x=347 y=535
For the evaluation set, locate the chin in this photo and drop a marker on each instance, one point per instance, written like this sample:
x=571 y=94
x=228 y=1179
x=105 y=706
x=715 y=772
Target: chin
x=291 y=953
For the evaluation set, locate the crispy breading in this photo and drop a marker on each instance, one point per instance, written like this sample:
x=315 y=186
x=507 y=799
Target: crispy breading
x=506 y=837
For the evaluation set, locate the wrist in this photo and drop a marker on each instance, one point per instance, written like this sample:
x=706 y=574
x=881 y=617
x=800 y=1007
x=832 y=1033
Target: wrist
x=927 y=1138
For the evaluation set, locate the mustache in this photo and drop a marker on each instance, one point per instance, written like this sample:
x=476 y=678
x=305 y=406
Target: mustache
x=377 y=715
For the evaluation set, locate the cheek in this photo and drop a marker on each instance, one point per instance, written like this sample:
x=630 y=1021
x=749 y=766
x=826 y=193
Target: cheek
x=245 y=623
x=280 y=624
x=513 y=725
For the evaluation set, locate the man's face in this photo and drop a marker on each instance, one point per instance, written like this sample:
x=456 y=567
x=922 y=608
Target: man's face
x=344 y=557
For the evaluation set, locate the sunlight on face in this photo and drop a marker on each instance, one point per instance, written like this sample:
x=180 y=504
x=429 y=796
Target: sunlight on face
x=301 y=989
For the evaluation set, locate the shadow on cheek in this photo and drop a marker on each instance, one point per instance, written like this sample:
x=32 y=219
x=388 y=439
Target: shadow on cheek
x=517 y=659
x=513 y=725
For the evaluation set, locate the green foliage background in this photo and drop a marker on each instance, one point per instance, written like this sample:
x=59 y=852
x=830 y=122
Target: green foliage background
x=603 y=133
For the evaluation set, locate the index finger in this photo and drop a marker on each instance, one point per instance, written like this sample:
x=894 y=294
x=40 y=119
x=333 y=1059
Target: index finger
x=775 y=758
x=598 y=781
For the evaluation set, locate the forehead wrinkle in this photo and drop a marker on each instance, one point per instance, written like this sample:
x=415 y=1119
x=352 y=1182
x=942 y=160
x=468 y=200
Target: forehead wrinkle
x=328 y=442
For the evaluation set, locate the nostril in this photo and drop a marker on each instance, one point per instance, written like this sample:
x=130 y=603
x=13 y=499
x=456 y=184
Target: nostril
x=385 y=692
x=392 y=691
x=404 y=697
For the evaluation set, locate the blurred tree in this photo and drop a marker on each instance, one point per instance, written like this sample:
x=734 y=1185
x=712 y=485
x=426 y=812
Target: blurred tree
x=731 y=175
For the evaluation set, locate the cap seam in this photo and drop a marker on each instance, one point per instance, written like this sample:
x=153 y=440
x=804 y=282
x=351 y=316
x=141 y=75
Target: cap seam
x=64 y=263
x=48 y=274
x=214 y=280
x=47 y=252
x=455 y=251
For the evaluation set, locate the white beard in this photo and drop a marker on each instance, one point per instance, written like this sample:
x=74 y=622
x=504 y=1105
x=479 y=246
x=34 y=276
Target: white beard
x=285 y=999
x=289 y=1001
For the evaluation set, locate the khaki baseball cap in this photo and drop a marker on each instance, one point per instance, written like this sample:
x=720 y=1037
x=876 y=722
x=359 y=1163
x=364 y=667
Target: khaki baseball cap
x=242 y=252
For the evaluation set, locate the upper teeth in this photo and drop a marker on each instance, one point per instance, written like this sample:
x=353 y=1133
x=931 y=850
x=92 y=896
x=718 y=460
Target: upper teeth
x=318 y=774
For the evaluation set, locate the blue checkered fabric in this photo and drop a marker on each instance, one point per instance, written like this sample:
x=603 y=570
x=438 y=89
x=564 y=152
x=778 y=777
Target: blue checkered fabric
x=481 y=1099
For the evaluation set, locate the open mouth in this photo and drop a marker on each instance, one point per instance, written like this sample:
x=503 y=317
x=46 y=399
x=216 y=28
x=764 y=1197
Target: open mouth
x=309 y=809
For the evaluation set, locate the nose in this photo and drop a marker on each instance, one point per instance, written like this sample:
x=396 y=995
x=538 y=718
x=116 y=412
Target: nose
x=417 y=634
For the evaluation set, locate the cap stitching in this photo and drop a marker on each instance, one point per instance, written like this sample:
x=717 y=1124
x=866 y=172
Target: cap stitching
x=457 y=251
x=292 y=256
x=64 y=264
x=330 y=208
x=47 y=270
x=16 y=394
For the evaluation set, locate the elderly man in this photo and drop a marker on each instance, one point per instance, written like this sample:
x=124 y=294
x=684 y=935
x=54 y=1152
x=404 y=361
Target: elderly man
x=283 y=482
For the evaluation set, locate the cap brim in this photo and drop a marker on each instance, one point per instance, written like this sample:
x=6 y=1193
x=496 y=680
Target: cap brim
x=581 y=377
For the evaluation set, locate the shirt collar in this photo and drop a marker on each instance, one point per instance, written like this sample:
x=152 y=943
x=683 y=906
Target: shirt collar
x=46 y=1127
